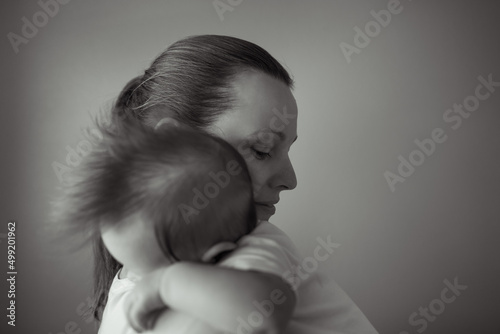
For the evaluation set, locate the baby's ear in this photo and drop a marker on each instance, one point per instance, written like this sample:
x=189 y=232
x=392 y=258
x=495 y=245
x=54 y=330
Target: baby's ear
x=213 y=253
x=166 y=122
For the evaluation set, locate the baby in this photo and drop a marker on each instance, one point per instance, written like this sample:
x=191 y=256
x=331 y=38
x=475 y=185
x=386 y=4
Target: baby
x=169 y=205
x=158 y=198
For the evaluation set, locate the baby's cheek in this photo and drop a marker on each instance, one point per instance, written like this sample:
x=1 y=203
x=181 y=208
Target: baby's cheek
x=135 y=246
x=152 y=258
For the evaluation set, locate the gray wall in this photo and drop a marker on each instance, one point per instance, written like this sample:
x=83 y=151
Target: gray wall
x=355 y=118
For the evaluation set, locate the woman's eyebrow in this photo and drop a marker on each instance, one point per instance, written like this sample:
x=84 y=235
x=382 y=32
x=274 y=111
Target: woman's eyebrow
x=282 y=136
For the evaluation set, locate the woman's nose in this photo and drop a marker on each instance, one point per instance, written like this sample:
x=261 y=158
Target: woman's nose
x=287 y=178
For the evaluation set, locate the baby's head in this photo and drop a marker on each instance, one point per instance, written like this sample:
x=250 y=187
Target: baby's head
x=160 y=197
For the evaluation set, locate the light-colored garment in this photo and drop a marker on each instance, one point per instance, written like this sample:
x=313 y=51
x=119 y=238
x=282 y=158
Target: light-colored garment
x=114 y=320
x=322 y=306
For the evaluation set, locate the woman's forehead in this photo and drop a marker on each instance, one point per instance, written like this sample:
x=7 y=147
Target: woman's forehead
x=262 y=103
x=258 y=90
x=255 y=122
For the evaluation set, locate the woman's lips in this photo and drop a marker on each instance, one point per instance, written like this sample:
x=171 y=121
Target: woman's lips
x=266 y=208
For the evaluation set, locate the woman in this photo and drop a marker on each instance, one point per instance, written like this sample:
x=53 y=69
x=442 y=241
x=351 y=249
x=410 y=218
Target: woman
x=235 y=90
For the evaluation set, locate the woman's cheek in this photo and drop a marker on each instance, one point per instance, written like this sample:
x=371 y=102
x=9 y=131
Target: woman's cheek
x=258 y=179
x=255 y=167
x=244 y=148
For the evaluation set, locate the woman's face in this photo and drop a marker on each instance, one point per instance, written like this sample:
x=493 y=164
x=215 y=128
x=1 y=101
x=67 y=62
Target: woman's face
x=262 y=126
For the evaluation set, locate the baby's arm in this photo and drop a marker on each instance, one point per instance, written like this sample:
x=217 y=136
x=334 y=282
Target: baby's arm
x=212 y=294
x=172 y=321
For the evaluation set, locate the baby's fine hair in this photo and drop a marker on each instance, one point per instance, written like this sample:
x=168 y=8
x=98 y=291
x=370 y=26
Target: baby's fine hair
x=195 y=188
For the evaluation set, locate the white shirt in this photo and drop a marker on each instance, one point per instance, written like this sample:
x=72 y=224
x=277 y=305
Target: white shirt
x=114 y=320
x=322 y=307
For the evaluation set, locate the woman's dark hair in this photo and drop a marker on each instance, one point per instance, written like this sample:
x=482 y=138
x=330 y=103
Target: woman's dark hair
x=191 y=82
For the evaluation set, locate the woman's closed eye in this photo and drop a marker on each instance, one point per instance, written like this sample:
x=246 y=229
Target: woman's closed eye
x=260 y=155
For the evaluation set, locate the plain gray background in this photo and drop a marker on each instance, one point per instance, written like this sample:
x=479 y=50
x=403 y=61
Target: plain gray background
x=355 y=119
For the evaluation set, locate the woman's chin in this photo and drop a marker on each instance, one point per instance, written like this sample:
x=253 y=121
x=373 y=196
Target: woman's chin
x=264 y=212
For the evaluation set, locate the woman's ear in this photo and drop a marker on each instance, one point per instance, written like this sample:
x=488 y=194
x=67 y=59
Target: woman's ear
x=216 y=250
x=166 y=121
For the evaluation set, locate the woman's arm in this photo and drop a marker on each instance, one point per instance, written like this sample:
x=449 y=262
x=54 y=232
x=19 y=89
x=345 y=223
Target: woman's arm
x=224 y=298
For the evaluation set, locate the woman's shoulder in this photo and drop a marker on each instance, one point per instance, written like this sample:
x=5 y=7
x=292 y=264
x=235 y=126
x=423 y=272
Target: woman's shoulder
x=267 y=249
x=265 y=232
x=266 y=229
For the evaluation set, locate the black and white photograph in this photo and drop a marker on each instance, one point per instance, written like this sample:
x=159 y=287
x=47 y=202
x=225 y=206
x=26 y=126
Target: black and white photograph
x=250 y=166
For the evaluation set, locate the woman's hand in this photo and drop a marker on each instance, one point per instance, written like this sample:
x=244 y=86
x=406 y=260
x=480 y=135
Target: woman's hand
x=144 y=303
